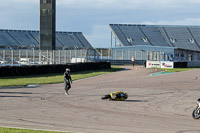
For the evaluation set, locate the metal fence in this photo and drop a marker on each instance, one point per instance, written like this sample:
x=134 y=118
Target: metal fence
x=120 y=54
x=35 y=57
x=38 y=57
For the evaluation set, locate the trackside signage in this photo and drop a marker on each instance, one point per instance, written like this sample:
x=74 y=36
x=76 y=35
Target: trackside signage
x=153 y=64
x=167 y=64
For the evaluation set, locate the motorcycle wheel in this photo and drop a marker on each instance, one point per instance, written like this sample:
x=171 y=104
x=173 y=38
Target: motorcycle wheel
x=105 y=96
x=196 y=114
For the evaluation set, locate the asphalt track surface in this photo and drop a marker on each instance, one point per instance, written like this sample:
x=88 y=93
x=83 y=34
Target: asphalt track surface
x=156 y=104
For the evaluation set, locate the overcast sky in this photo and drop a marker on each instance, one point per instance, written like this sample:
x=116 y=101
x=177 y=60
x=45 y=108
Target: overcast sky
x=92 y=17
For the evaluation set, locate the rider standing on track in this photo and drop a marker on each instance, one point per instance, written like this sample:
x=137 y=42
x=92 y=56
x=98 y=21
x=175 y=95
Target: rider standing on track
x=67 y=81
x=133 y=60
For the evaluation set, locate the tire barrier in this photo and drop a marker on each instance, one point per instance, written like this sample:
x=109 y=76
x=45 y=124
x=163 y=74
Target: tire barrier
x=6 y=71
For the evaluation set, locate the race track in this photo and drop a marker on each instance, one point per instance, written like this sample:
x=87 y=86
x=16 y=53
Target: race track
x=156 y=104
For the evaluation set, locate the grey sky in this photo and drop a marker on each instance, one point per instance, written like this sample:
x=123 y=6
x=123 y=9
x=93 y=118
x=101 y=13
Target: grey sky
x=92 y=17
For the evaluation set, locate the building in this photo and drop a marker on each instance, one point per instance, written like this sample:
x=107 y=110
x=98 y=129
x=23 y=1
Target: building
x=156 y=43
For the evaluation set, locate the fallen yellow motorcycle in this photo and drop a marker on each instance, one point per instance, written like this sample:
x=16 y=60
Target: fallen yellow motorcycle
x=117 y=96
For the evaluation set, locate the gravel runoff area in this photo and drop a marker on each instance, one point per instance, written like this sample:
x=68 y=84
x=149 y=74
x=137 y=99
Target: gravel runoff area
x=156 y=104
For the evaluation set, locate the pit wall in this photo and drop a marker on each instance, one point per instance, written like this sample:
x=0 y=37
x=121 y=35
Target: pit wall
x=7 y=71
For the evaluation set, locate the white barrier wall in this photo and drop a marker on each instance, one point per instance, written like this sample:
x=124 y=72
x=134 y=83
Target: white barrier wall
x=167 y=64
x=159 y=64
x=153 y=64
x=78 y=60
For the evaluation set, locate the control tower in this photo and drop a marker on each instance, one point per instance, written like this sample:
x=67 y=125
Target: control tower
x=47 y=24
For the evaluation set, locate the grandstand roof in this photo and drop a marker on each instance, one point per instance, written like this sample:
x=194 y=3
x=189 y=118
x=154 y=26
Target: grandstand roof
x=184 y=37
x=30 y=39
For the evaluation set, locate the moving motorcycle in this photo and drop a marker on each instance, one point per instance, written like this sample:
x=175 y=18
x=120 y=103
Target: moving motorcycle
x=196 y=112
x=117 y=96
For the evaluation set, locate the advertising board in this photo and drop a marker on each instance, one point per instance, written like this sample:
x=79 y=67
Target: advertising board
x=153 y=64
x=167 y=64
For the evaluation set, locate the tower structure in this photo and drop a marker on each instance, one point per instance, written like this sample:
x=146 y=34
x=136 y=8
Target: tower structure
x=47 y=24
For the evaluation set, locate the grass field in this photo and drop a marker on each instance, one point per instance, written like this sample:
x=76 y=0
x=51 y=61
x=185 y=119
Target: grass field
x=178 y=69
x=14 y=130
x=51 y=78
x=58 y=78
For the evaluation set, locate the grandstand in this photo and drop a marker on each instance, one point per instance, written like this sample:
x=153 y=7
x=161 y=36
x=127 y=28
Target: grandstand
x=156 y=43
x=184 y=37
x=24 y=39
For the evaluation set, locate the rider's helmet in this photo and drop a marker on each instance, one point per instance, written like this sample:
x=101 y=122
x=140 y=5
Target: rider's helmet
x=68 y=70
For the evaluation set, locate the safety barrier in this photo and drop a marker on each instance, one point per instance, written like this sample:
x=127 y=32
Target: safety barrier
x=6 y=71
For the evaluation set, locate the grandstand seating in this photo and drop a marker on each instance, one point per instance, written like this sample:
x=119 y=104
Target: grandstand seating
x=135 y=33
x=35 y=35
x=83 y=41
x=184 y=37
x=195 y=32
x=6 y=40
x=154 y=36
x=23 y=38
x=77 y=41
x=17 y=39
x=66 y=40
x=121 y=37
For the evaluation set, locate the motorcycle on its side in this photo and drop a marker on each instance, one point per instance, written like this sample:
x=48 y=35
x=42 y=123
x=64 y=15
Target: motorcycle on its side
x=117 y=96
x=196 y=112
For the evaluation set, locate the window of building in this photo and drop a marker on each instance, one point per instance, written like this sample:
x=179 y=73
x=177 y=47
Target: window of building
x=44 y=1
x=198 y=57
x=190 y=57
x=182 y=55
x=45 y=12
x=48 y=1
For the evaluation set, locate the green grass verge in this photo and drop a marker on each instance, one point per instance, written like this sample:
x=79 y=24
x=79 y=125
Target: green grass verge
x=178 y=69
x=14 y=130
x=51 y=78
